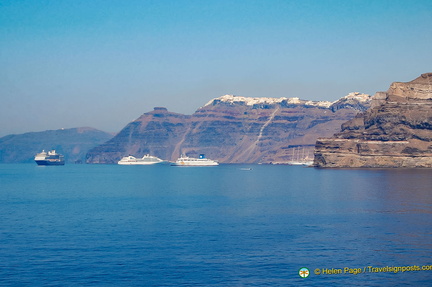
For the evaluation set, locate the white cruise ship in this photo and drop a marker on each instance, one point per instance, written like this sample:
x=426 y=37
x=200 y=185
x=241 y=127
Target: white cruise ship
x=145 y=160
x=190 y=161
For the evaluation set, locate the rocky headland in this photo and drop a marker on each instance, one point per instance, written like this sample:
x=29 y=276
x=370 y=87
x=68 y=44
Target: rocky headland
x=234 y=129
x=72 y=143
x=395 y=132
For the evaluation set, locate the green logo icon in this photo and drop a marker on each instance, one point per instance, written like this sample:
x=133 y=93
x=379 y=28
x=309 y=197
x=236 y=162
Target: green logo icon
x=304 y=272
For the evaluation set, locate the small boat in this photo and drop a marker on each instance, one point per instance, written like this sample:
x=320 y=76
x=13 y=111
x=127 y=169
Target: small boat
x=190 y=161
x=145 y=160
x=49 y=158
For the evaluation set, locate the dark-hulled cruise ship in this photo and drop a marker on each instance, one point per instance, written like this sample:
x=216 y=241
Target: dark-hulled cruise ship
x=49 y=158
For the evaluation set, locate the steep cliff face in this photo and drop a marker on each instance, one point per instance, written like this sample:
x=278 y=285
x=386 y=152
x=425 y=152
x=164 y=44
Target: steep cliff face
x=238 y=129
x=234 y=130
x=158 y=133
x=395 y=132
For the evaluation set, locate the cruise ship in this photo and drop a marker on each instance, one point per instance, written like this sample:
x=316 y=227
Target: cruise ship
x=145 y=160
x=189 y=161
x=49 y=158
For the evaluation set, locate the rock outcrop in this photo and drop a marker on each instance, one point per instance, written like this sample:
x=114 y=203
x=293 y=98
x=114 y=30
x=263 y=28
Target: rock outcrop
x=234 y=130
x=395 y=132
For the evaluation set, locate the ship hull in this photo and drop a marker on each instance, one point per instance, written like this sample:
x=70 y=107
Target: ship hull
x=48 y=162
x=193 y=164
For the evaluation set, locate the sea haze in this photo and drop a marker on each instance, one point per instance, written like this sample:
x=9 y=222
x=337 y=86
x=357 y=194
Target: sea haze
x=229 y=225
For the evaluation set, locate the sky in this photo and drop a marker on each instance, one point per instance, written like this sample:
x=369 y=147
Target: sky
x=103 y=63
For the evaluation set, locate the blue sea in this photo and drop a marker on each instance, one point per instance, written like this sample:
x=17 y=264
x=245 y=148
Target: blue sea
x=231 y=225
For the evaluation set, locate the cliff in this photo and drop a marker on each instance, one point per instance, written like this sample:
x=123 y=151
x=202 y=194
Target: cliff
x=234 y=130
x=72 y=143
x=395 y=132
x=158 y=133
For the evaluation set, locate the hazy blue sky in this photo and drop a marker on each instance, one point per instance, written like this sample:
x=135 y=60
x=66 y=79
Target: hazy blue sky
x=104 y=63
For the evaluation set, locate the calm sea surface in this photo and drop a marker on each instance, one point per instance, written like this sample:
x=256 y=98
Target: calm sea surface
x=109 y=225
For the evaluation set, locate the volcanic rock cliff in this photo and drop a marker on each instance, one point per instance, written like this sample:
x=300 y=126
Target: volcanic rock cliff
x=158 y=133
x=234 y=130
x=395 y=132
